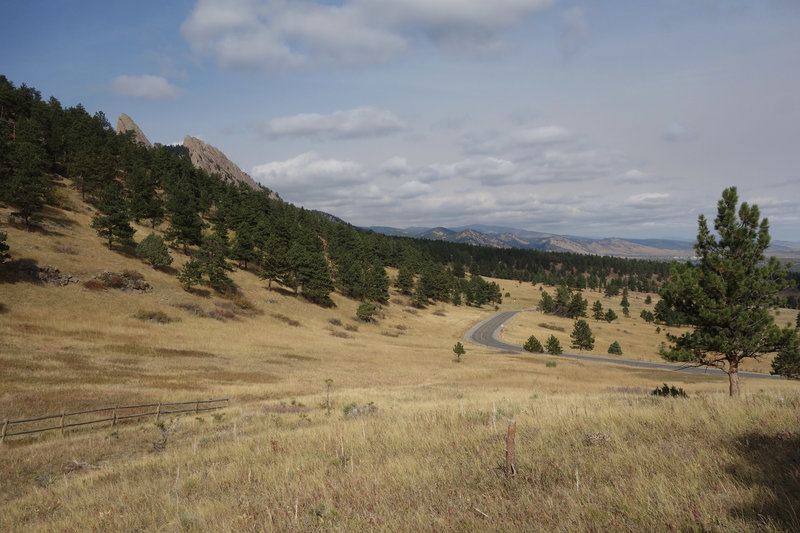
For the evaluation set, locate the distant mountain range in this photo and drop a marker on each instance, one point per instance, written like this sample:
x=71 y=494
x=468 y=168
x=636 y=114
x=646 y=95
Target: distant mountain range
x=504 y=237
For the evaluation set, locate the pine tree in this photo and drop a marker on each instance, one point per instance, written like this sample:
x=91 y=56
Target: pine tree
x=787 y=361
x=597 y=310
x=625 y=304
x=4 y=256
x=113 y=223
x=153 y=250
x=405 y=279
x=728 y=298
x=615 y=348
x=533 y=345
x=27 y=182
x=458 y=349
x=376 y=284
x=610 y=315
x=581 y=336
x=552 y=345
x=546 y=303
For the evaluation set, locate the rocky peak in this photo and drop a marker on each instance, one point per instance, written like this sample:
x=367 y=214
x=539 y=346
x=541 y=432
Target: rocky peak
x=210 y=159
x=126 y=123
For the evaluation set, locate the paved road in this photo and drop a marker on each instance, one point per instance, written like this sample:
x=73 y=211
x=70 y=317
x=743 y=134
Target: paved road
x=486 y=333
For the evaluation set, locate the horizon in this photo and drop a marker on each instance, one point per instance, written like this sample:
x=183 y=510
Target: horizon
x=572 y=118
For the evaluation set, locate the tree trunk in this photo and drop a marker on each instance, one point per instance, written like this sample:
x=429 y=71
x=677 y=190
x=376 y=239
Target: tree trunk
x=733 y=377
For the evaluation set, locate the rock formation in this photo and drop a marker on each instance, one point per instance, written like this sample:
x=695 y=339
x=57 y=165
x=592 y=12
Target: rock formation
x=126 y=123
x=210 y=159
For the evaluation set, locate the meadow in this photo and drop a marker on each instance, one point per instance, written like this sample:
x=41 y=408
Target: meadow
x=341 y=425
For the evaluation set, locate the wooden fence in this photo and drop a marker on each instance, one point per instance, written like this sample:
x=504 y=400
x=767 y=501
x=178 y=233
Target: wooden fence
x=115 y=415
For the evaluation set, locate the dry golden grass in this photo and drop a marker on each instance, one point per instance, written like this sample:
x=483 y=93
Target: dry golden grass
x=594 y=450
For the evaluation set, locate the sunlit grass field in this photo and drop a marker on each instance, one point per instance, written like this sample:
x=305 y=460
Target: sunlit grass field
x=340 y=425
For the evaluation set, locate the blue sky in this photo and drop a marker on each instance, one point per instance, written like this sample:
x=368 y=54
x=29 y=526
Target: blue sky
x=595 y=118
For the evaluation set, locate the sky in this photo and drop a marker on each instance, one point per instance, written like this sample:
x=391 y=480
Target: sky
x=598 y=118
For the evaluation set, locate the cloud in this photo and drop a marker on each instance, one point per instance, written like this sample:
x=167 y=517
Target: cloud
x=279 y=34
x=309 y=176
x=677 y=133
x=351 y=124
x=574 y=32
x=145 y=86
x=396 y=166
x=647 y=200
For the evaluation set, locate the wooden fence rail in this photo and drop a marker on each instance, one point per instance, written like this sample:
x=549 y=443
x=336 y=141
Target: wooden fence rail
x=116 y=413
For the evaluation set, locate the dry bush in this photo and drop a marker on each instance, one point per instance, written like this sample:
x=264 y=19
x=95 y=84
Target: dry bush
x=340 y=334
x=94 y=285
x=386 y=333
x=334 y=322
x=411 y=311
x=351 y=327
x=154 y=316
x=192 y=308
x=286 y=319
x=553 y=327
x=220 y=313
x=68 y=249
x=245 y=305
x=440 y=312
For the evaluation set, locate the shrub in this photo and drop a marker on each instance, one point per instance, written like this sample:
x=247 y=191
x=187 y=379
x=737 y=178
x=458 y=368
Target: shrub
x=615 y=348
x=550 y=364
x=334 y=322
x=351 y=327
x=533 y=345
x=366 y=311
x=458 y=349
x=666 y=390
x=94 y=285
x=154 y=316
x=286 y=319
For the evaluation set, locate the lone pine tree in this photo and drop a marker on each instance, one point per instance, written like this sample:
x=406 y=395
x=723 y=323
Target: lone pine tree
x=727 y=298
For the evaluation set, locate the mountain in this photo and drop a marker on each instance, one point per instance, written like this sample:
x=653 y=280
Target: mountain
x=507 y=237
x=213 y=161
x=126 y=123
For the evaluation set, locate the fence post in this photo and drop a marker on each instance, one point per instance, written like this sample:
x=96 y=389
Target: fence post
x=511 y=469
x=114 y=422
x=3 y=434
x=196 y=406
x=158 y=411
x=62 y=423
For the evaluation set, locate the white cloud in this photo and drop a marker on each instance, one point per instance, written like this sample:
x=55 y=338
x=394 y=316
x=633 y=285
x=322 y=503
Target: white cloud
x=542 y=135
x=354 y=123
x=278 y=34
x=647 y=200
x=396 y=166
x=145 y=86
x=308 y=174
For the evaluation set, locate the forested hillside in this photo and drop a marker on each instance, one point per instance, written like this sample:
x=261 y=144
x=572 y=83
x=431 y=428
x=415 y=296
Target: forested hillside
x=219 y=225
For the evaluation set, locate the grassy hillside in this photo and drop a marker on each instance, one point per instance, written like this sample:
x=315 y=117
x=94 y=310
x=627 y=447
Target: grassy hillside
x=412 y=440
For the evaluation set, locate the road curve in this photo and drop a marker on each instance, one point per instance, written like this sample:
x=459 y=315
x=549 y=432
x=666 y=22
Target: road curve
x=486 y=333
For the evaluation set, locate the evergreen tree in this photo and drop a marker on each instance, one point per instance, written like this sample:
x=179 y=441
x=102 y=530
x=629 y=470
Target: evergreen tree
x=625 y=304
x=552 y=345
x=577 y=306
x=153 y=250
x=610 y=315
x=350 y=276
x=405 y=279
x=113 y=223
x=648 y=300
x=615 y=348
x=787 y=361
x=27 y=182
x=243 y=248
x=546 y=303
x=647 y=316
x=145 y=203
x=533 y=345
x=366 y=311
x=4 y=256
x=581 y=336
x=458 y=349
x=597 y=310
x=728 y=298
x=376 y=284
x=185 y=224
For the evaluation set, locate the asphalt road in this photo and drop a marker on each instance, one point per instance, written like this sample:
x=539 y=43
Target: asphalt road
x=486 y=333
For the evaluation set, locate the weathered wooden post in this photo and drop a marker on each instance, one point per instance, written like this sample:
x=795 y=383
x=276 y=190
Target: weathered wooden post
x=3 y=434
x=114 y=421
x=511 y=469
x=196 y=406
x=62 y=423
x=158 y=411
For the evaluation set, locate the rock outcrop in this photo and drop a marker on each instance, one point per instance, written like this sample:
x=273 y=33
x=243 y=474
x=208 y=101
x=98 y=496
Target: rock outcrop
x=126 y=123
x=210 y=159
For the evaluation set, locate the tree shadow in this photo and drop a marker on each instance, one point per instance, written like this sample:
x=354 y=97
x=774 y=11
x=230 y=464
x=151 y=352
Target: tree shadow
x=3 y=308
x=772 y=463
x=19 y=270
